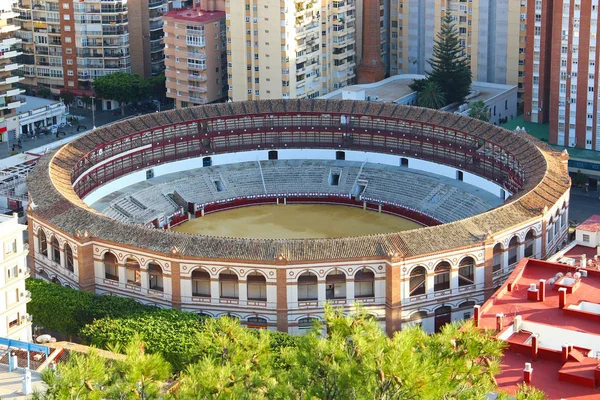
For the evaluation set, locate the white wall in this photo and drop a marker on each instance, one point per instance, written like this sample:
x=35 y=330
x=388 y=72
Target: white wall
x=289 y=154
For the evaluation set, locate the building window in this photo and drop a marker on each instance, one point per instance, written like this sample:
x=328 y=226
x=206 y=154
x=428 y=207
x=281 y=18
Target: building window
x=132 y=270
x=586 y=238
x=11 y=247
x=229 y=286
x=441 y=279
x=55 y=250
x=417 y=284
x=335 y=285
x=364 y=283
x=155 y=277
x=200 y=283
x=257 y=286
x=111 y=267
x=466 y=272
x=69 y=258
x=513 y=247
x=529 y=241
x=307 y=287
x=43 y=243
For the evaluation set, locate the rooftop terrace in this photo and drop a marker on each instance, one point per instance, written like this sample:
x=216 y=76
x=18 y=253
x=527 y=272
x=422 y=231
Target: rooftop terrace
x=538 y=315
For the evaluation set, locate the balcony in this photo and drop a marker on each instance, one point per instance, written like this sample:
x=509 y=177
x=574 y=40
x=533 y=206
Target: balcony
x=198 y=89
x=197 y=77
x=155 y=4
x=156 y=25
x=198 y=100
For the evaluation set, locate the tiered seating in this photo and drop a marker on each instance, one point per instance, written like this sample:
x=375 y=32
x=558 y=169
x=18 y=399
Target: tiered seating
x=433 y=195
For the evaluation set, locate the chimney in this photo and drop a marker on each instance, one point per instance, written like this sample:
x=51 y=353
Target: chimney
x=532 y=292
x=517 y=324
x=562 y=297
x=499 y=320
x=371 y=68
x=542 y=290
x=565 y=350
x=527 y=372
x=534 y=346
x=476 y=314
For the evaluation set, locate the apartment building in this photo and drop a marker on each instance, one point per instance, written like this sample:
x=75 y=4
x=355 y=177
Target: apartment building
x=15 y=323
x=492 y=32
x=9 y=96
x=66 y=44
x=196 y=62
x=290 y=48
x=562 y=74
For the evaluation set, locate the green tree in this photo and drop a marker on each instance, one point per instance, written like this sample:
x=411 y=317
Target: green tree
x=236 y=364
x=67 y=97
x=157 y=86
x=449 y=66
x=478 y=109
x=122 y=87
x=44 y=93
x=83 y=376
x=431 y=96
x=92 y=377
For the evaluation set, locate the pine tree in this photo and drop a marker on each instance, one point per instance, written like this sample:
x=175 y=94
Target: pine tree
x=450 y=68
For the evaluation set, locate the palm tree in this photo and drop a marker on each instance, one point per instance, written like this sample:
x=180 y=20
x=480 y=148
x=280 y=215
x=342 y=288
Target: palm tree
x=478 y=109
x=431 y=96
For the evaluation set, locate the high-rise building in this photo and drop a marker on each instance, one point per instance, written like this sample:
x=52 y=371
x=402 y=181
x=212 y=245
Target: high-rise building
x=562 y=73
x=491 y=32
x=66 y=44
x=290 y=49
x=9 y=99
x=196 y=63
x=15 y=323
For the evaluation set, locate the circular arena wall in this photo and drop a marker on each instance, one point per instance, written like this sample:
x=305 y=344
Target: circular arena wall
x=428 y=276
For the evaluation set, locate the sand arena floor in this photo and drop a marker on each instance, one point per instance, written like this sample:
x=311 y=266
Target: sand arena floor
x=295 y=221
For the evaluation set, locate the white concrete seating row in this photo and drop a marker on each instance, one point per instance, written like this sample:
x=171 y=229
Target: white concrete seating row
x=206 y=185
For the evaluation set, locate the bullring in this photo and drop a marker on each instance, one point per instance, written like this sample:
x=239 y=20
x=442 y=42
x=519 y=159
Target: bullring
x=428 y=275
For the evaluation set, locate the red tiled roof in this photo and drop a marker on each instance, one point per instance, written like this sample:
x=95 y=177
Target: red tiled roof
x=592 y=224
x=189 y=14
x=515 y=302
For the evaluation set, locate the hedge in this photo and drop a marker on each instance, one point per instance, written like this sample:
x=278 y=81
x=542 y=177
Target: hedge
x=104 y=321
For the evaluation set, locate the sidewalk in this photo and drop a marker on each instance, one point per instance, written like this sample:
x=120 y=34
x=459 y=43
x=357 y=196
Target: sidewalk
x=11 y=383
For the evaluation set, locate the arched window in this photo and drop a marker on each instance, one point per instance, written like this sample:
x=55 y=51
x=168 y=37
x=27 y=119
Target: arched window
x=155 y=277
x=257 y=323
x=42 y=274
x=43 y=242
x=417 y=284
x=307 y=287
x=441 y=278
x=55 y=250
x=529 y=241
x=228 y=283
x=497 y=266
x=69 y=258
x=335 y=285
x=467 y=309
x=111 y=271
x=466 y=272
x=200 y=283
x=257 y=286
x=132 y=270
x=416 y=318
x=513 y=250
x=364 y=283
x=307 y=323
